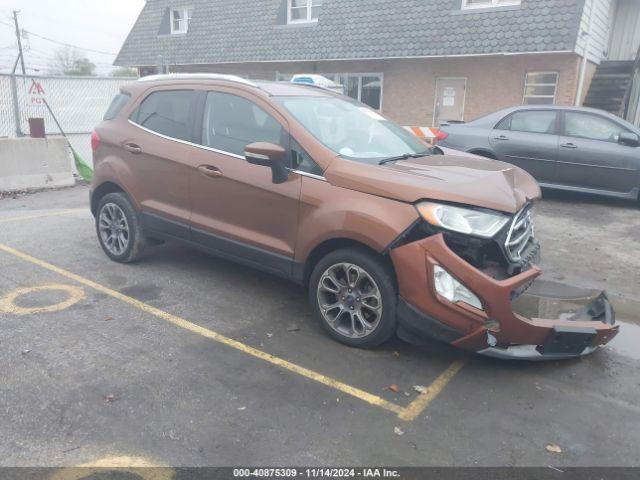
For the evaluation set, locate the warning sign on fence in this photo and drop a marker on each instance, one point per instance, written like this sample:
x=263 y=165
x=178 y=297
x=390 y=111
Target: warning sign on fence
x=36 y=94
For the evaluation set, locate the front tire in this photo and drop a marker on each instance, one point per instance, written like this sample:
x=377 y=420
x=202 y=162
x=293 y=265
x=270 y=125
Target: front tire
x=118 y=228
x=353 y=295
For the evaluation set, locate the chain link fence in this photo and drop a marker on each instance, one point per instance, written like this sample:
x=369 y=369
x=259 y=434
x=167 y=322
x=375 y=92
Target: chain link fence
x=78 y=103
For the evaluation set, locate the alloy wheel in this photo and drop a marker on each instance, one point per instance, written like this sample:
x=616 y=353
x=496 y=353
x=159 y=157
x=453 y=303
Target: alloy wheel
x=114 y=229
x=350 y=300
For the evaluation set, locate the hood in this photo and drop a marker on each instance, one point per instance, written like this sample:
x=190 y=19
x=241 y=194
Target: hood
x=454 y=177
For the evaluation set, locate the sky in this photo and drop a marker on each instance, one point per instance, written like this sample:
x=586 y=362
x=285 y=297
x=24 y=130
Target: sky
x=100 y=25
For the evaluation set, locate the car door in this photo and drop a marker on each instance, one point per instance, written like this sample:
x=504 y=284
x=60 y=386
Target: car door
x=237 y=210
x=529 y=140
x=158 y=158
x=591 y=157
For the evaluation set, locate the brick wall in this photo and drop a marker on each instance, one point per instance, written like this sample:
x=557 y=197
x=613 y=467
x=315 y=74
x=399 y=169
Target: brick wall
x=493 y=82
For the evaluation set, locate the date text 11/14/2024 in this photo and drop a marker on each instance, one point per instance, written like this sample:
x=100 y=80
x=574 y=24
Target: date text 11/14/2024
x=315 y=473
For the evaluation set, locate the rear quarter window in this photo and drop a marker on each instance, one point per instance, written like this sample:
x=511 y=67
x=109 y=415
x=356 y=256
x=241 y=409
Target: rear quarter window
x=117 y=105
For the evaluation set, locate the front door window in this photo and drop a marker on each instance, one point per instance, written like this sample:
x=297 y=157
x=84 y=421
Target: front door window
x=231 y=122
x=593 y=127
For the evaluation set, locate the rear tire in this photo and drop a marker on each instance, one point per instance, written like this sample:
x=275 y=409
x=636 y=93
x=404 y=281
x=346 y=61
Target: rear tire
x=118 y=228
x=353 y=295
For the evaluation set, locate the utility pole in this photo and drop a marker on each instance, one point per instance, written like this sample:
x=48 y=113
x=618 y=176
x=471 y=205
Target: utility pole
x=15 y=20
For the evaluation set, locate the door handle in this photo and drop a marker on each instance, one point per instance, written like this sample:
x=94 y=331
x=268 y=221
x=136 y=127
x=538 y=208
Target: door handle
x=210 y=171
x=133 y=148
x=569 y=145
x=501 y=137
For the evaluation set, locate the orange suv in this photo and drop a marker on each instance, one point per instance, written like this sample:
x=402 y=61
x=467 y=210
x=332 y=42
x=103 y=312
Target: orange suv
x=389 y=233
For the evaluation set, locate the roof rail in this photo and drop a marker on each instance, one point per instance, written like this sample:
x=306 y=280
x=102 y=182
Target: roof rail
x=312 y=85
x=197 y=76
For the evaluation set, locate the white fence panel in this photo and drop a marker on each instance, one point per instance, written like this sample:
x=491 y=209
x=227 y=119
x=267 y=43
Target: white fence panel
x=78 y=103
x=7 y=120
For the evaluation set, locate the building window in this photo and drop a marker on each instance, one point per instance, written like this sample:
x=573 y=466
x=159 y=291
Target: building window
x=540 y=88
x=467 y=4
x=180 y=18
x=303 y=11
x=364 y=87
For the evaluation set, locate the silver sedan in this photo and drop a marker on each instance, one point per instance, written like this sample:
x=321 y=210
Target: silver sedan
x=567 y=148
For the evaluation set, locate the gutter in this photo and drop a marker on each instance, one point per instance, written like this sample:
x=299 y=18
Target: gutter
x=355 y=59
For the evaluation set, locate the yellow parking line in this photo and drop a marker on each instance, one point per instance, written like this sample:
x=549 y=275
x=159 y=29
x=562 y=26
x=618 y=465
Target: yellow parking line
x=418 y=406
x=405 y=413
x=42 y=215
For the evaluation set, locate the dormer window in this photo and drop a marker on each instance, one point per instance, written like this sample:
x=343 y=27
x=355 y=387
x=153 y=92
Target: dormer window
x=303 y=11
x=469 y=4
x=180 y=18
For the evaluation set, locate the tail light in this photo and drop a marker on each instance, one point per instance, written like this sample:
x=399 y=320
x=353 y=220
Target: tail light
x=95 y=141
x=440 y=135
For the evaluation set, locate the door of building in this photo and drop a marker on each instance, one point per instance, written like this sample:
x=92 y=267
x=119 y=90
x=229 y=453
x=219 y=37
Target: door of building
x=450 y=98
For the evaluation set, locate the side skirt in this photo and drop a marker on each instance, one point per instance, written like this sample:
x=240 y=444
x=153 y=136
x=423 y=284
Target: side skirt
x=222 y=247
x=632 y=195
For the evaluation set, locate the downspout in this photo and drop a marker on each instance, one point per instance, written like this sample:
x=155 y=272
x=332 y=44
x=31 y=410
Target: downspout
x=585 y=54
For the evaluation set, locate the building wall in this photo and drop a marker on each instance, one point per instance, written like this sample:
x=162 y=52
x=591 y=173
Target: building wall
x=625 y=40
x=493 y=82
x=596 y=23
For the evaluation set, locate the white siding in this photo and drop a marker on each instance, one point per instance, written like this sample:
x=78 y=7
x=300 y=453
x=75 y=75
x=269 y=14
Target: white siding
x=600 y=26
x=625 y=39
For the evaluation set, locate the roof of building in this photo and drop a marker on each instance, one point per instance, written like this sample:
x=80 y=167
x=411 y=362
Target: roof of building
x=242 y=31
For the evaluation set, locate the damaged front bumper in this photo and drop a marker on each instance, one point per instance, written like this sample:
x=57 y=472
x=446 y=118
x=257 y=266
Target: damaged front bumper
x=496 y=330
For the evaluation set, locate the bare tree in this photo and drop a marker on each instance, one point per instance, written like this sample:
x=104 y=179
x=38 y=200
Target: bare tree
x=70 y=61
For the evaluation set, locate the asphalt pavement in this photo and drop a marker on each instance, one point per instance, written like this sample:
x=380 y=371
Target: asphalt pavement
x=187 y=360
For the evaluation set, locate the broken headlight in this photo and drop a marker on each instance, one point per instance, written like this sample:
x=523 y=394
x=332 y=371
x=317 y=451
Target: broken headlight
x=448 y=287
x=463 y=220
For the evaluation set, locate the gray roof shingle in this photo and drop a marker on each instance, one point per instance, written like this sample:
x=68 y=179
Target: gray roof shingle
x=224 y=31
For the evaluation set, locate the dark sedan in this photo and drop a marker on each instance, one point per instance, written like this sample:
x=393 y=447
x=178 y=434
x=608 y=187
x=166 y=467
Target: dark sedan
x=579 y=149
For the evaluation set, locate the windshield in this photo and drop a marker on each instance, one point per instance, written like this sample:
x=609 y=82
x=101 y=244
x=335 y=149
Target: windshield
x=353 y=130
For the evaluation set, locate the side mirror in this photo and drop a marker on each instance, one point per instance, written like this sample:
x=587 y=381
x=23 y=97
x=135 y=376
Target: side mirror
x=268 y=155
x=629 y=139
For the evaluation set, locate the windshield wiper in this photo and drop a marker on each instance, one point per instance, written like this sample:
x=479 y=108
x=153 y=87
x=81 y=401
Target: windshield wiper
x=406 y=156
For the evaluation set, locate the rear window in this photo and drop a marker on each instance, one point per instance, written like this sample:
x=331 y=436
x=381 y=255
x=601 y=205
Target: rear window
x=117 y=105
x=167 y=112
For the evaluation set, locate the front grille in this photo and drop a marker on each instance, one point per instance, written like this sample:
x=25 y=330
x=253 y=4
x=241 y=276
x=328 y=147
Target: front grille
x=520 y=233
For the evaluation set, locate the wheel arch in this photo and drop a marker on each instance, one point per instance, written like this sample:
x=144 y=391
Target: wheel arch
x=483 y=152
x=337 y=243
x=103 y=189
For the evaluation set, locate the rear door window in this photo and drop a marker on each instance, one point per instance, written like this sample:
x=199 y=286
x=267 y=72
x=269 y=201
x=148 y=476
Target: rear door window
x=231 y=122
x=167 y=113
x=117 y=105
x=537 y=121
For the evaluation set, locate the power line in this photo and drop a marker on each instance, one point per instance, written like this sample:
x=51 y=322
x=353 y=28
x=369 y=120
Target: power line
x=42 y=37
x=101 y=52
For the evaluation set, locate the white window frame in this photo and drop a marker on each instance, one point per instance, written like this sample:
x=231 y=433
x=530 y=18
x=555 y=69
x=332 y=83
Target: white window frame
x=527 y=84
x=359 y=76
x=309 y=8
x=335 y=77
x=186 y=19
x=490 y=4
